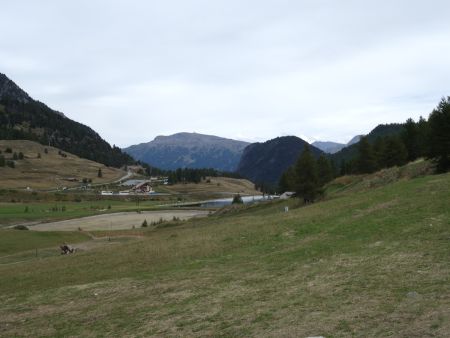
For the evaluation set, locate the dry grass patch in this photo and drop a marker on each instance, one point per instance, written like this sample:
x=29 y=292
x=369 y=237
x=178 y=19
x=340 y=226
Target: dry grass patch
x=216 y=185
x=51 y=170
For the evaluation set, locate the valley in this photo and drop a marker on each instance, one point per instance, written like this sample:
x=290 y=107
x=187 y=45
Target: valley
x=352 y=264
x=198 y=235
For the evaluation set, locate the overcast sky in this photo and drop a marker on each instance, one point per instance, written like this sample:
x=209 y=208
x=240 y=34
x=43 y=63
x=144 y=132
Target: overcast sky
x=250 y=70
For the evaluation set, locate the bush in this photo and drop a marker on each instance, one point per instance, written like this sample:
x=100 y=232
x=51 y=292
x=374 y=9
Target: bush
x=237 y=199
x=11 y=164
x=21 y=227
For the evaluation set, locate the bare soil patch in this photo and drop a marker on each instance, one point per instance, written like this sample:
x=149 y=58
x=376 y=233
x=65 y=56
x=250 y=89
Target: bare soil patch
x=117 y=221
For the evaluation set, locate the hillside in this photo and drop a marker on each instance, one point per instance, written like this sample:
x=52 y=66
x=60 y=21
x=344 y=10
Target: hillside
x=189 y=150
x=52 y=170
x=22 y=118
x=367 y=264
x=266 y=162
x=348 y=153
x=224 y=186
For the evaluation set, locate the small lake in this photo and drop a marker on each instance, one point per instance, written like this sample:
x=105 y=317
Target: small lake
x=221 y=202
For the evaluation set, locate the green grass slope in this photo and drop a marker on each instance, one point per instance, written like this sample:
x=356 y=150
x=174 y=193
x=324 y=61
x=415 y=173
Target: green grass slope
x=370 y=263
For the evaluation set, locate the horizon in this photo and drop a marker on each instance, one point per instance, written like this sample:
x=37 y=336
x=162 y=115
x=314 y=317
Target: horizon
x=251 y=72
x=248 y=140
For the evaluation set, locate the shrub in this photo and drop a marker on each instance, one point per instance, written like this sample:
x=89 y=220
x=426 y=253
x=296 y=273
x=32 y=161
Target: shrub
x=21 y=227
x=237 y=199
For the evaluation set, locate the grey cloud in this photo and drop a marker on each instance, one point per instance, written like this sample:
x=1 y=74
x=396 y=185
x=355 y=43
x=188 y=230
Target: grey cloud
x=248 y=69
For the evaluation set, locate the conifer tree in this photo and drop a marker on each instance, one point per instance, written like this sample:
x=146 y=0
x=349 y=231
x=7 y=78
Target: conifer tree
x=343 y=168
x=410 y=137
x=287 y=180
x=99 y=173
x=324 y=171
x=379 y=147
x=395 y=153
x=439 y=139
x=306 y=181
x=366 y=163
x=423 y=130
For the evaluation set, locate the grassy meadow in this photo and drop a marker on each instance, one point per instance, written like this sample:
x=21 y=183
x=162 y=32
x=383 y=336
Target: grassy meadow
x=373 y=262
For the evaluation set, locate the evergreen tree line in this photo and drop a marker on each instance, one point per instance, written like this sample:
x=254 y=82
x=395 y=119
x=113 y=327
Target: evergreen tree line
x=194 y=175
x=185 y=175
x=423 y=139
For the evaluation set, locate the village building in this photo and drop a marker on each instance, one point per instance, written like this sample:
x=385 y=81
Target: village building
x=143 y=188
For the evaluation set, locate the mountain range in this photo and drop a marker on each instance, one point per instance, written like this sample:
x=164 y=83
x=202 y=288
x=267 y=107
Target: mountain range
x=333 y=147
x=22 y=117
x=190 y=150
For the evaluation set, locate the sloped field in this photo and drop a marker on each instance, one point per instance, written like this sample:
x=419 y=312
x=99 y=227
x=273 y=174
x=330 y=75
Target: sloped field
x=368 y=263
